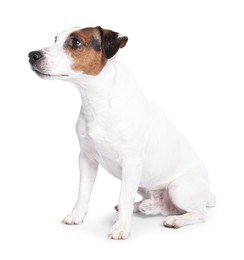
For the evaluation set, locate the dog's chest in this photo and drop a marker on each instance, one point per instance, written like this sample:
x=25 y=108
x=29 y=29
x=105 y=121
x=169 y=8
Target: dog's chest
x=103 y=138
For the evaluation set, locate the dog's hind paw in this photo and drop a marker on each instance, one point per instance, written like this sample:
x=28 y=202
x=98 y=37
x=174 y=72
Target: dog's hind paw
x=171 y=222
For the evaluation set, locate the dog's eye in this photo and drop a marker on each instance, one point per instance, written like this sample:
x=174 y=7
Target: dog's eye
x=76 y=43
x=56 y=38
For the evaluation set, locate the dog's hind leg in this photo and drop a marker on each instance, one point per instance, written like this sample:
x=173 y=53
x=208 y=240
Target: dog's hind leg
x=189 y=194
x=149 y=207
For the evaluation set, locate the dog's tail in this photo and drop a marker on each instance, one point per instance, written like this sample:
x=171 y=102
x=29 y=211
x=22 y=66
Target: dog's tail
x=211 y=200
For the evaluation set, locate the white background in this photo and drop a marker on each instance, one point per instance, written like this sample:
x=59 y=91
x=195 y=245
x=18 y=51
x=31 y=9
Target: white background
x=188 y=56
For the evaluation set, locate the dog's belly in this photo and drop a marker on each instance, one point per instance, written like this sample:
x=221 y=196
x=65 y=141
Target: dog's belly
x=111 y=166
x=164 y=153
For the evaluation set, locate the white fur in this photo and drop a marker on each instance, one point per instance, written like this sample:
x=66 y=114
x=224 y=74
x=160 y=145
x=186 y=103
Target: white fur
x=136 y=143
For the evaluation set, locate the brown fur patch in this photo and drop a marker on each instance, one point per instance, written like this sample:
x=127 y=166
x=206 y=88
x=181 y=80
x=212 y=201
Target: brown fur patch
x=89 y=57
x=112 y=42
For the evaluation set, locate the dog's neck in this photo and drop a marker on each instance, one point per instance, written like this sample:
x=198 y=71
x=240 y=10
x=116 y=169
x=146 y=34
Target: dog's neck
x=113 y=87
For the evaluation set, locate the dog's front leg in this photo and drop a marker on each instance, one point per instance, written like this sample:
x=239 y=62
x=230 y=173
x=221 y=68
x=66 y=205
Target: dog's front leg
x=88 y=173
x=131 y=174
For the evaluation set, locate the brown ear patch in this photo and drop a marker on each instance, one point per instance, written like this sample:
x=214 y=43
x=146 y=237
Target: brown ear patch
x=111 y=42
x=88 y=58
x=90 y=48
x=96 y=45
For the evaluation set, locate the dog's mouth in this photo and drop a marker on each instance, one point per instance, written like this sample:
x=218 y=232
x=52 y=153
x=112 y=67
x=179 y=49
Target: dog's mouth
x=47 y=75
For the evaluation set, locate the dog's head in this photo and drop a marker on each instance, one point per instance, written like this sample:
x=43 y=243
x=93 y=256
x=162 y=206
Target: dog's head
x=77 y=51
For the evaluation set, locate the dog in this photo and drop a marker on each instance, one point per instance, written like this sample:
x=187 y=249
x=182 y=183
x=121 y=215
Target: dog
x=124 y=132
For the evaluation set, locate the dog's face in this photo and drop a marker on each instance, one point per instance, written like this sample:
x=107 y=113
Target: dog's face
x=77 y=51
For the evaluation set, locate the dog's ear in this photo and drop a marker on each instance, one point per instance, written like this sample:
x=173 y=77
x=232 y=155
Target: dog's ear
x=111 y=42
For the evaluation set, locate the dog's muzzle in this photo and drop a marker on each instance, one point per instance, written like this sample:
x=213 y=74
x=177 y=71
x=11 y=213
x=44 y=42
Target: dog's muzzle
x=34 y=56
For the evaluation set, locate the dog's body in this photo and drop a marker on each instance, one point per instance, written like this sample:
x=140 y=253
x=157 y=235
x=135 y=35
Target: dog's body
x=125 y=133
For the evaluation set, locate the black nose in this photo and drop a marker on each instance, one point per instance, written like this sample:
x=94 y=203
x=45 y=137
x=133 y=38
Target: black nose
x=34 y=56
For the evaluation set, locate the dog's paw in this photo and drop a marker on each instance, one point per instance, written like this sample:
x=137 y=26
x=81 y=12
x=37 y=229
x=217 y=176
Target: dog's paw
x=119 y=232
x=172 y=222
x=146 y=207
x=74 y=218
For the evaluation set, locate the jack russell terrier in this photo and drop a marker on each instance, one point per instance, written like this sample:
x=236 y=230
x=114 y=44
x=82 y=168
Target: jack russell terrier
x=125 y=133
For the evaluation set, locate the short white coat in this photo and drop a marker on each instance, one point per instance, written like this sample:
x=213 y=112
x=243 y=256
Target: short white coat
x=130 y=136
